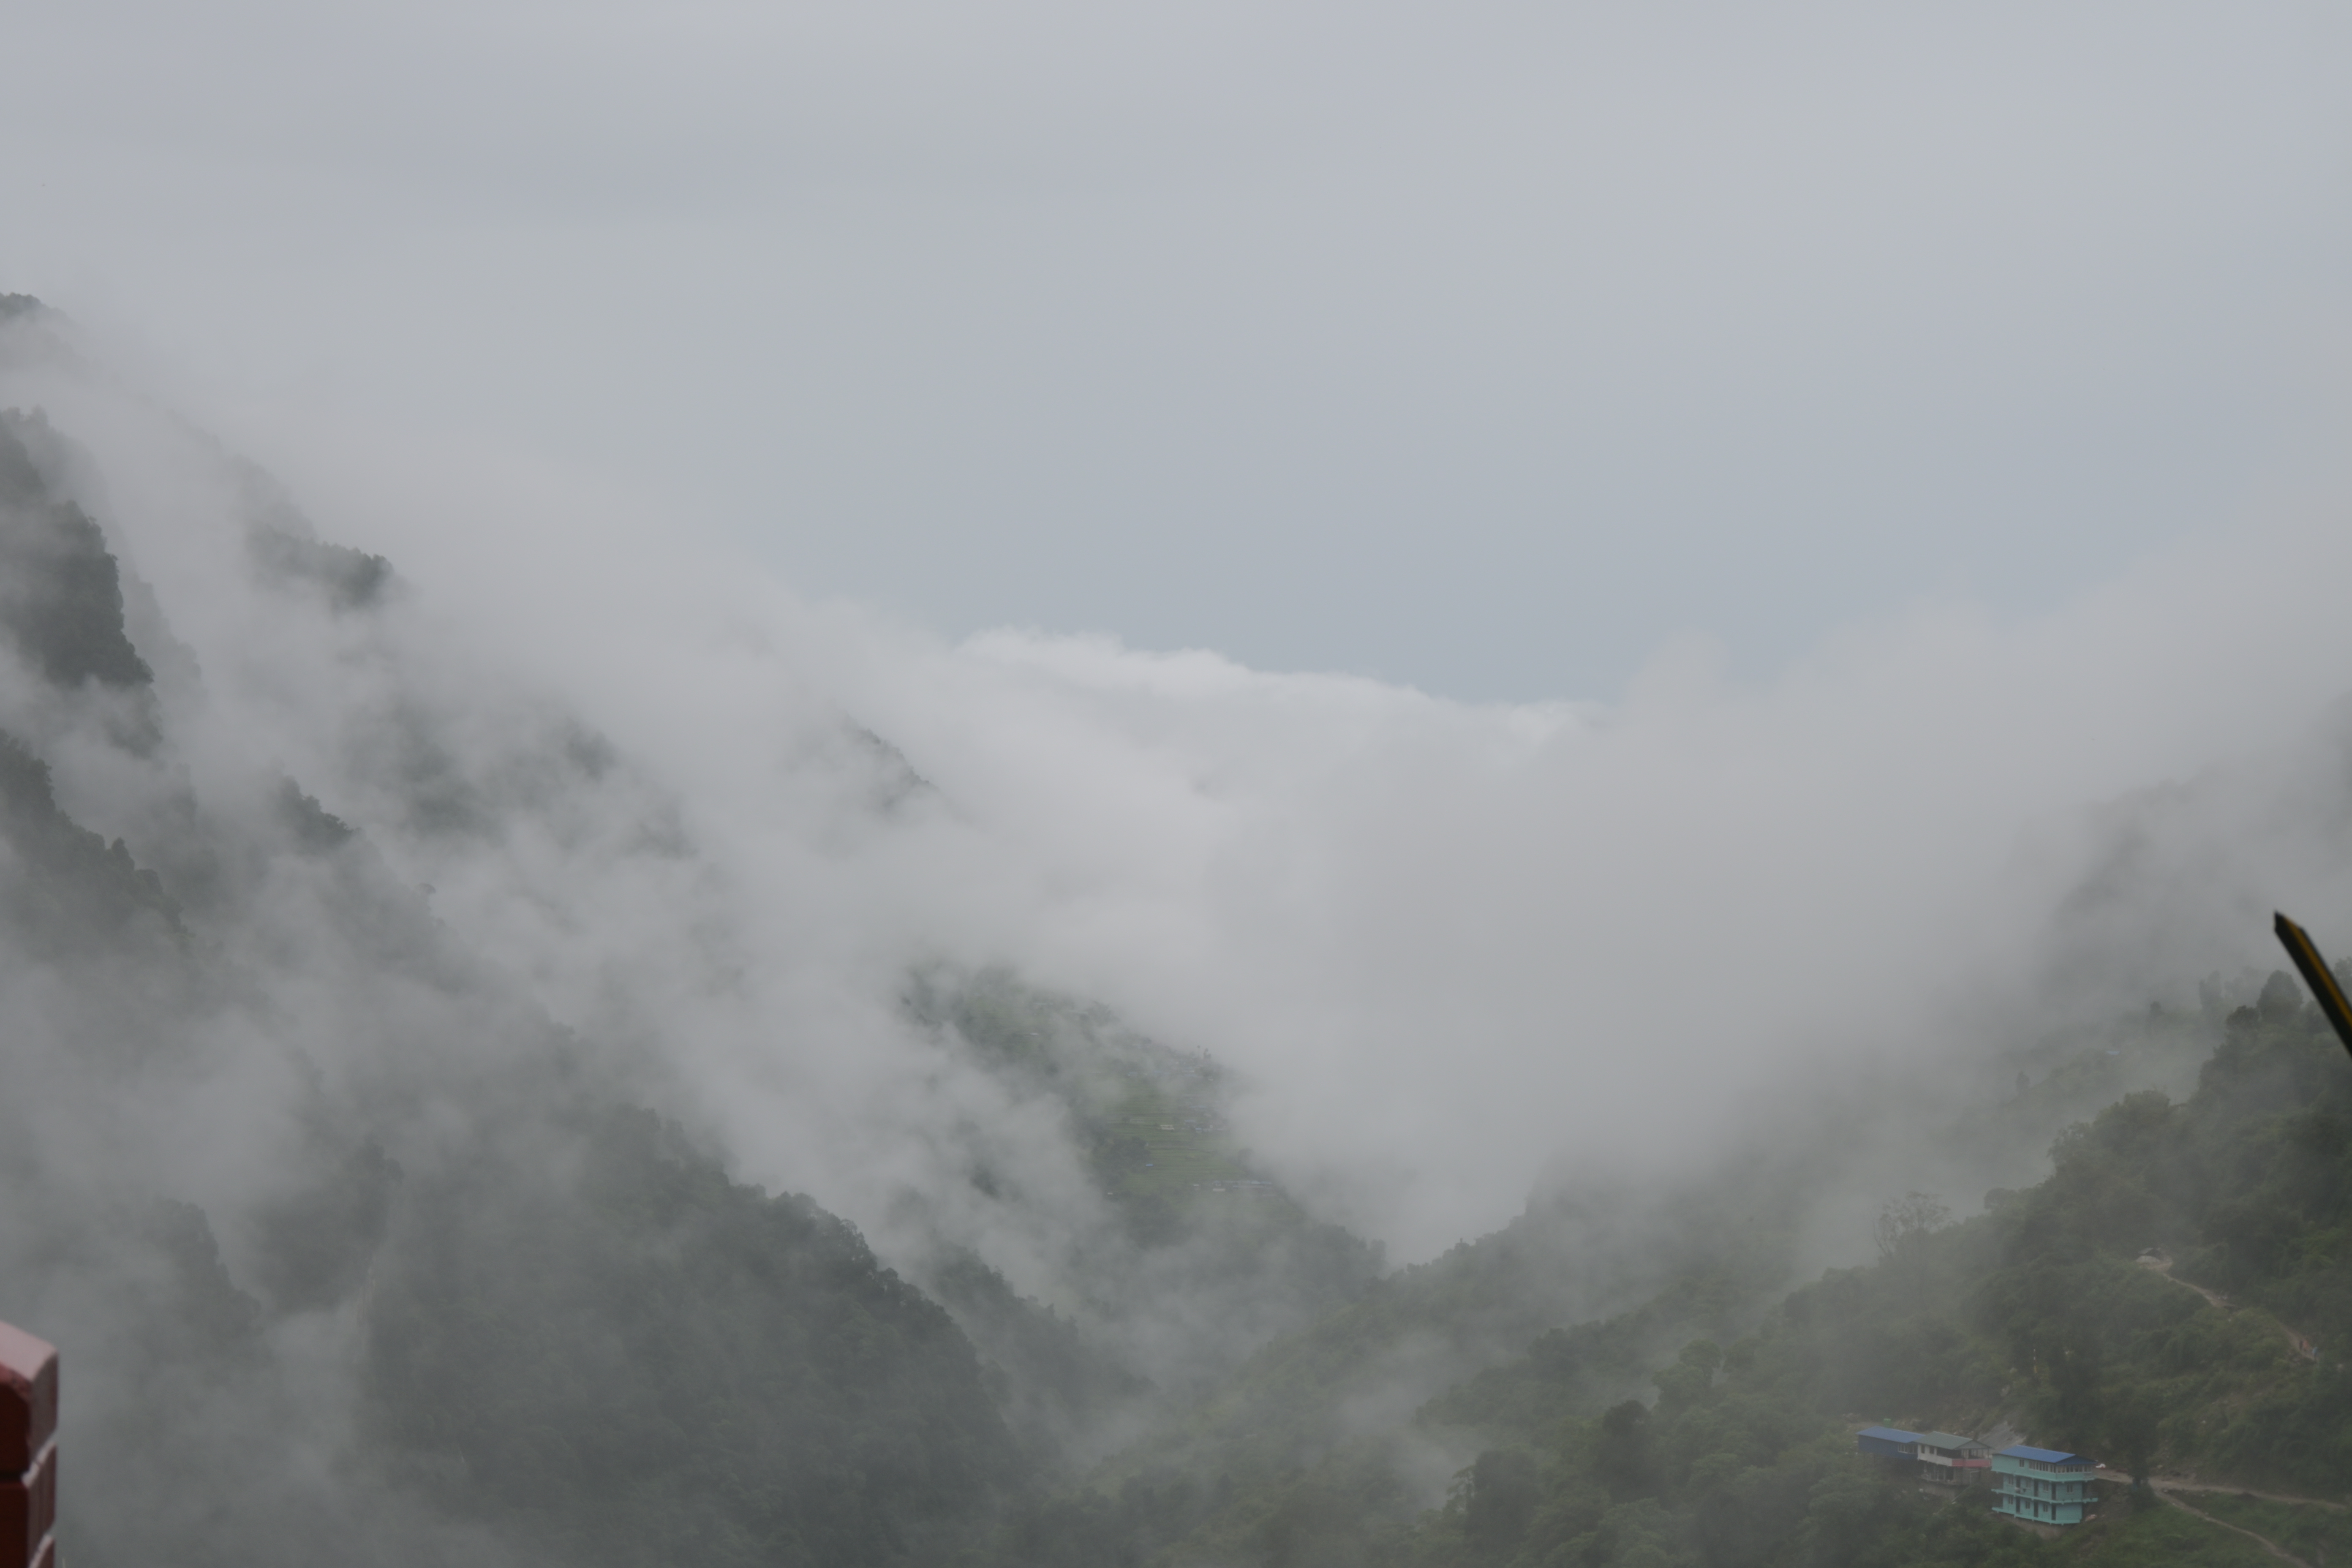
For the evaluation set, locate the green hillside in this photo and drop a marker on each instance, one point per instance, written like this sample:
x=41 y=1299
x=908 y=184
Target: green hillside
x=2038 y=1313
x=560 y=1330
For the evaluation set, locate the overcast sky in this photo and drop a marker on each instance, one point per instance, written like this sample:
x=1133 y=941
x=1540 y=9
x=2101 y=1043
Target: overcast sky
x=1485 y=347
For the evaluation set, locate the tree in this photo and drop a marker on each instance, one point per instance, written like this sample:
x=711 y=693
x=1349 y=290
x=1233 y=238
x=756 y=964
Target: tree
x=1504 y=1486
x=1905 y=1218
x=2132 y=1414
x=1621 y=1458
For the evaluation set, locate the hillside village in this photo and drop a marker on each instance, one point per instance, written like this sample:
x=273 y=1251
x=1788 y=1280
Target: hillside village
x=2041 y=1486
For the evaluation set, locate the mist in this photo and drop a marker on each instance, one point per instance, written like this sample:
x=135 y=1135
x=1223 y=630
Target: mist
x=1485 y=354
x=1443 y=946
x=650 y=648
x=1381 y=906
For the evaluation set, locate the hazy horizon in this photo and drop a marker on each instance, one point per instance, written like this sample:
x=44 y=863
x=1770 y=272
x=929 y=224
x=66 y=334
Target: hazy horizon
x=1489 y=353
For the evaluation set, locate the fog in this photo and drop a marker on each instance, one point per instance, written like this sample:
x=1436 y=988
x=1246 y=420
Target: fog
x=1443 y=947
x=1446 y=943
x=1484 y=351
x=1541 y=612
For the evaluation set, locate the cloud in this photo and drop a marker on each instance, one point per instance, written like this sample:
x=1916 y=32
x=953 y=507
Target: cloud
x=1454 y=943
x=1874 y=442
x=1511 y=340
x=1446 y=944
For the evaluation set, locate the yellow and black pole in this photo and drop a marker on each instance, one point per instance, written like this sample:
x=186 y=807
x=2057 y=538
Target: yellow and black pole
x=2316 y=975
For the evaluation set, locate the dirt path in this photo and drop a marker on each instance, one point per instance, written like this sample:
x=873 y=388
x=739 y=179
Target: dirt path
x=2265 y=1543
x=2164 y=1484
x=2160 y=1265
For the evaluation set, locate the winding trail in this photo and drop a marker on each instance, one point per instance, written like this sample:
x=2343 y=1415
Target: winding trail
x=2265 y=1542
x=2165 y=1484
x=2160 y=1265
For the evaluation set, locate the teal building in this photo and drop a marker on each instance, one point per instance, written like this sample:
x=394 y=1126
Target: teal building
x=2041 y=1485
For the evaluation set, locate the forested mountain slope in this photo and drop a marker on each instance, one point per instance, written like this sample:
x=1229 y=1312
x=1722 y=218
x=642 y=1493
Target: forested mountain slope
x=1207 y=1255
x=542 y=1308
x=356 y=1252
x=1606 y=1444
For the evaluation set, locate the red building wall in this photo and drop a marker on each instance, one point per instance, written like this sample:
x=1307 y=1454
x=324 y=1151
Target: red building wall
x=29 y=1450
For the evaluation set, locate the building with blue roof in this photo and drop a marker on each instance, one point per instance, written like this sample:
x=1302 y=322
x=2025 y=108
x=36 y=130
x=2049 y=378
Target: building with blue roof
x=2042 y=1485
x=1887 y=1442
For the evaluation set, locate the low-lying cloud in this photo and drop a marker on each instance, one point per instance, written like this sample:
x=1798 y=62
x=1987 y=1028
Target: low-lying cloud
x=1446 y=947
